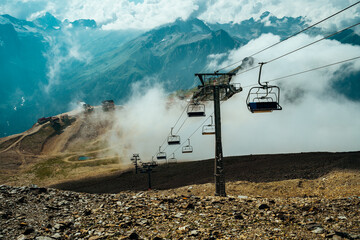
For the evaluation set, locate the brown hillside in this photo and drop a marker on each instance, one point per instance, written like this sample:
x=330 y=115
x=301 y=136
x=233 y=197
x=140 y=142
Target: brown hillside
x=49 y=152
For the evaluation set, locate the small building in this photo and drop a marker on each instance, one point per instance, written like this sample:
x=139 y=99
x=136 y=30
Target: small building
x=108 y=105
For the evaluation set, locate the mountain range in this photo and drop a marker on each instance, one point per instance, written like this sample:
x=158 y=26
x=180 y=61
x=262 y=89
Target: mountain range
x=48 y=65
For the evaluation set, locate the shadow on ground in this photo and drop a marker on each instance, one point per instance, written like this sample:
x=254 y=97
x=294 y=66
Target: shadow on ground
x=253 y=168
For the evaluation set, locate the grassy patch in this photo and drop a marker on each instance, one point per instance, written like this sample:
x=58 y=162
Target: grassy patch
x=58 y=168
x=96 y=163
x=51 y=168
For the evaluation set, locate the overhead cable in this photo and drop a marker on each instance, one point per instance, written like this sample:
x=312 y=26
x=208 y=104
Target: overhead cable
x=328 y=36
x=286 y=54
x=295 y=34
x=306 y=71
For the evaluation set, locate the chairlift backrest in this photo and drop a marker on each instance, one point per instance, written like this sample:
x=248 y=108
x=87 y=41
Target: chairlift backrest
x=196 y=110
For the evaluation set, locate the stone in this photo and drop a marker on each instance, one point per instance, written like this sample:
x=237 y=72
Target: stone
x=133 y=235
x=264 y=206
x=56 y=236
x=318 y=230
x=21 y=237
x=194 y=233
x=29 y=230
x=238 y=216
x=179 y=215
x=190 y=206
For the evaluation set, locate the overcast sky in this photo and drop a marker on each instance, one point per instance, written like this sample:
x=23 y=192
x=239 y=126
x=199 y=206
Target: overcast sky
x=147 y=14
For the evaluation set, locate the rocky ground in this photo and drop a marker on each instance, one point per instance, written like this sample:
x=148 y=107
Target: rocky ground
x=46 y=213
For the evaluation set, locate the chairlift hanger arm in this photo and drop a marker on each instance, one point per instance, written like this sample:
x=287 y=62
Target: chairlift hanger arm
x=261 y=65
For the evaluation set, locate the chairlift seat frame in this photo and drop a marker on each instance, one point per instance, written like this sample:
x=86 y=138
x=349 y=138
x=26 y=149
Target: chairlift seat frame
x=263 y=98
x=208 y=129
x=161 y=155
x=196 y=110
x=188 y=148
x=173 y=140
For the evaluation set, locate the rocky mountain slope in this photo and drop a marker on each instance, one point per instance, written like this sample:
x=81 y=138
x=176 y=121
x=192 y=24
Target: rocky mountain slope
x=40 y=213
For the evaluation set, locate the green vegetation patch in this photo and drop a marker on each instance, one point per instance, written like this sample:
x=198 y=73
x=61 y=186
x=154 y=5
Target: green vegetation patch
x=58 y=168
x=51 y=168
x=95 y=163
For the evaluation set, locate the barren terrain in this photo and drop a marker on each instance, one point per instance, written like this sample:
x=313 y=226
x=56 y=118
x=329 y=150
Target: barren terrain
x=279 y=196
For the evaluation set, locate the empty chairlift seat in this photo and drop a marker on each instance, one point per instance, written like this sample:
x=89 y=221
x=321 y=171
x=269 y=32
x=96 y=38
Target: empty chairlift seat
x=209 y=129
x=196 y=110
x=188 y=148
x=173 y=139
x=161 y=155
x=263 y=99
x=172 y=159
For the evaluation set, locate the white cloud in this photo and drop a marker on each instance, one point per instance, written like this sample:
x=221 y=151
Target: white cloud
x=237 y=11
x=319 y=120
x=125 y=14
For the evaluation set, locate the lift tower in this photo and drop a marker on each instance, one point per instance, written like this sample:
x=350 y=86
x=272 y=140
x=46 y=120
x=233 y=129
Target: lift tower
x=216 y=87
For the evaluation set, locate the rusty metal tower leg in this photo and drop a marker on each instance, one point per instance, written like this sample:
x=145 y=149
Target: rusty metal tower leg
x=219 y=168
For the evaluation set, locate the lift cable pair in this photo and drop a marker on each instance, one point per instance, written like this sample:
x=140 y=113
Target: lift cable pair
x=300 y=48
x=306 y=71
x=295 y=34
x=167 y=138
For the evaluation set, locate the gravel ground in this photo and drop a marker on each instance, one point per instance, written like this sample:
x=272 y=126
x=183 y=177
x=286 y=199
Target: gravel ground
x=46 y=213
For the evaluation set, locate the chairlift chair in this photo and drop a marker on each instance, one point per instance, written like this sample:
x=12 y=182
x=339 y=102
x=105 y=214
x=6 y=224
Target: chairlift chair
x=161 y=155
x=172 y=159
x=263 y=98
x=188 y=148
x=173 y=139
x=196 y=110
x=209 y=129
x=153 y=162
